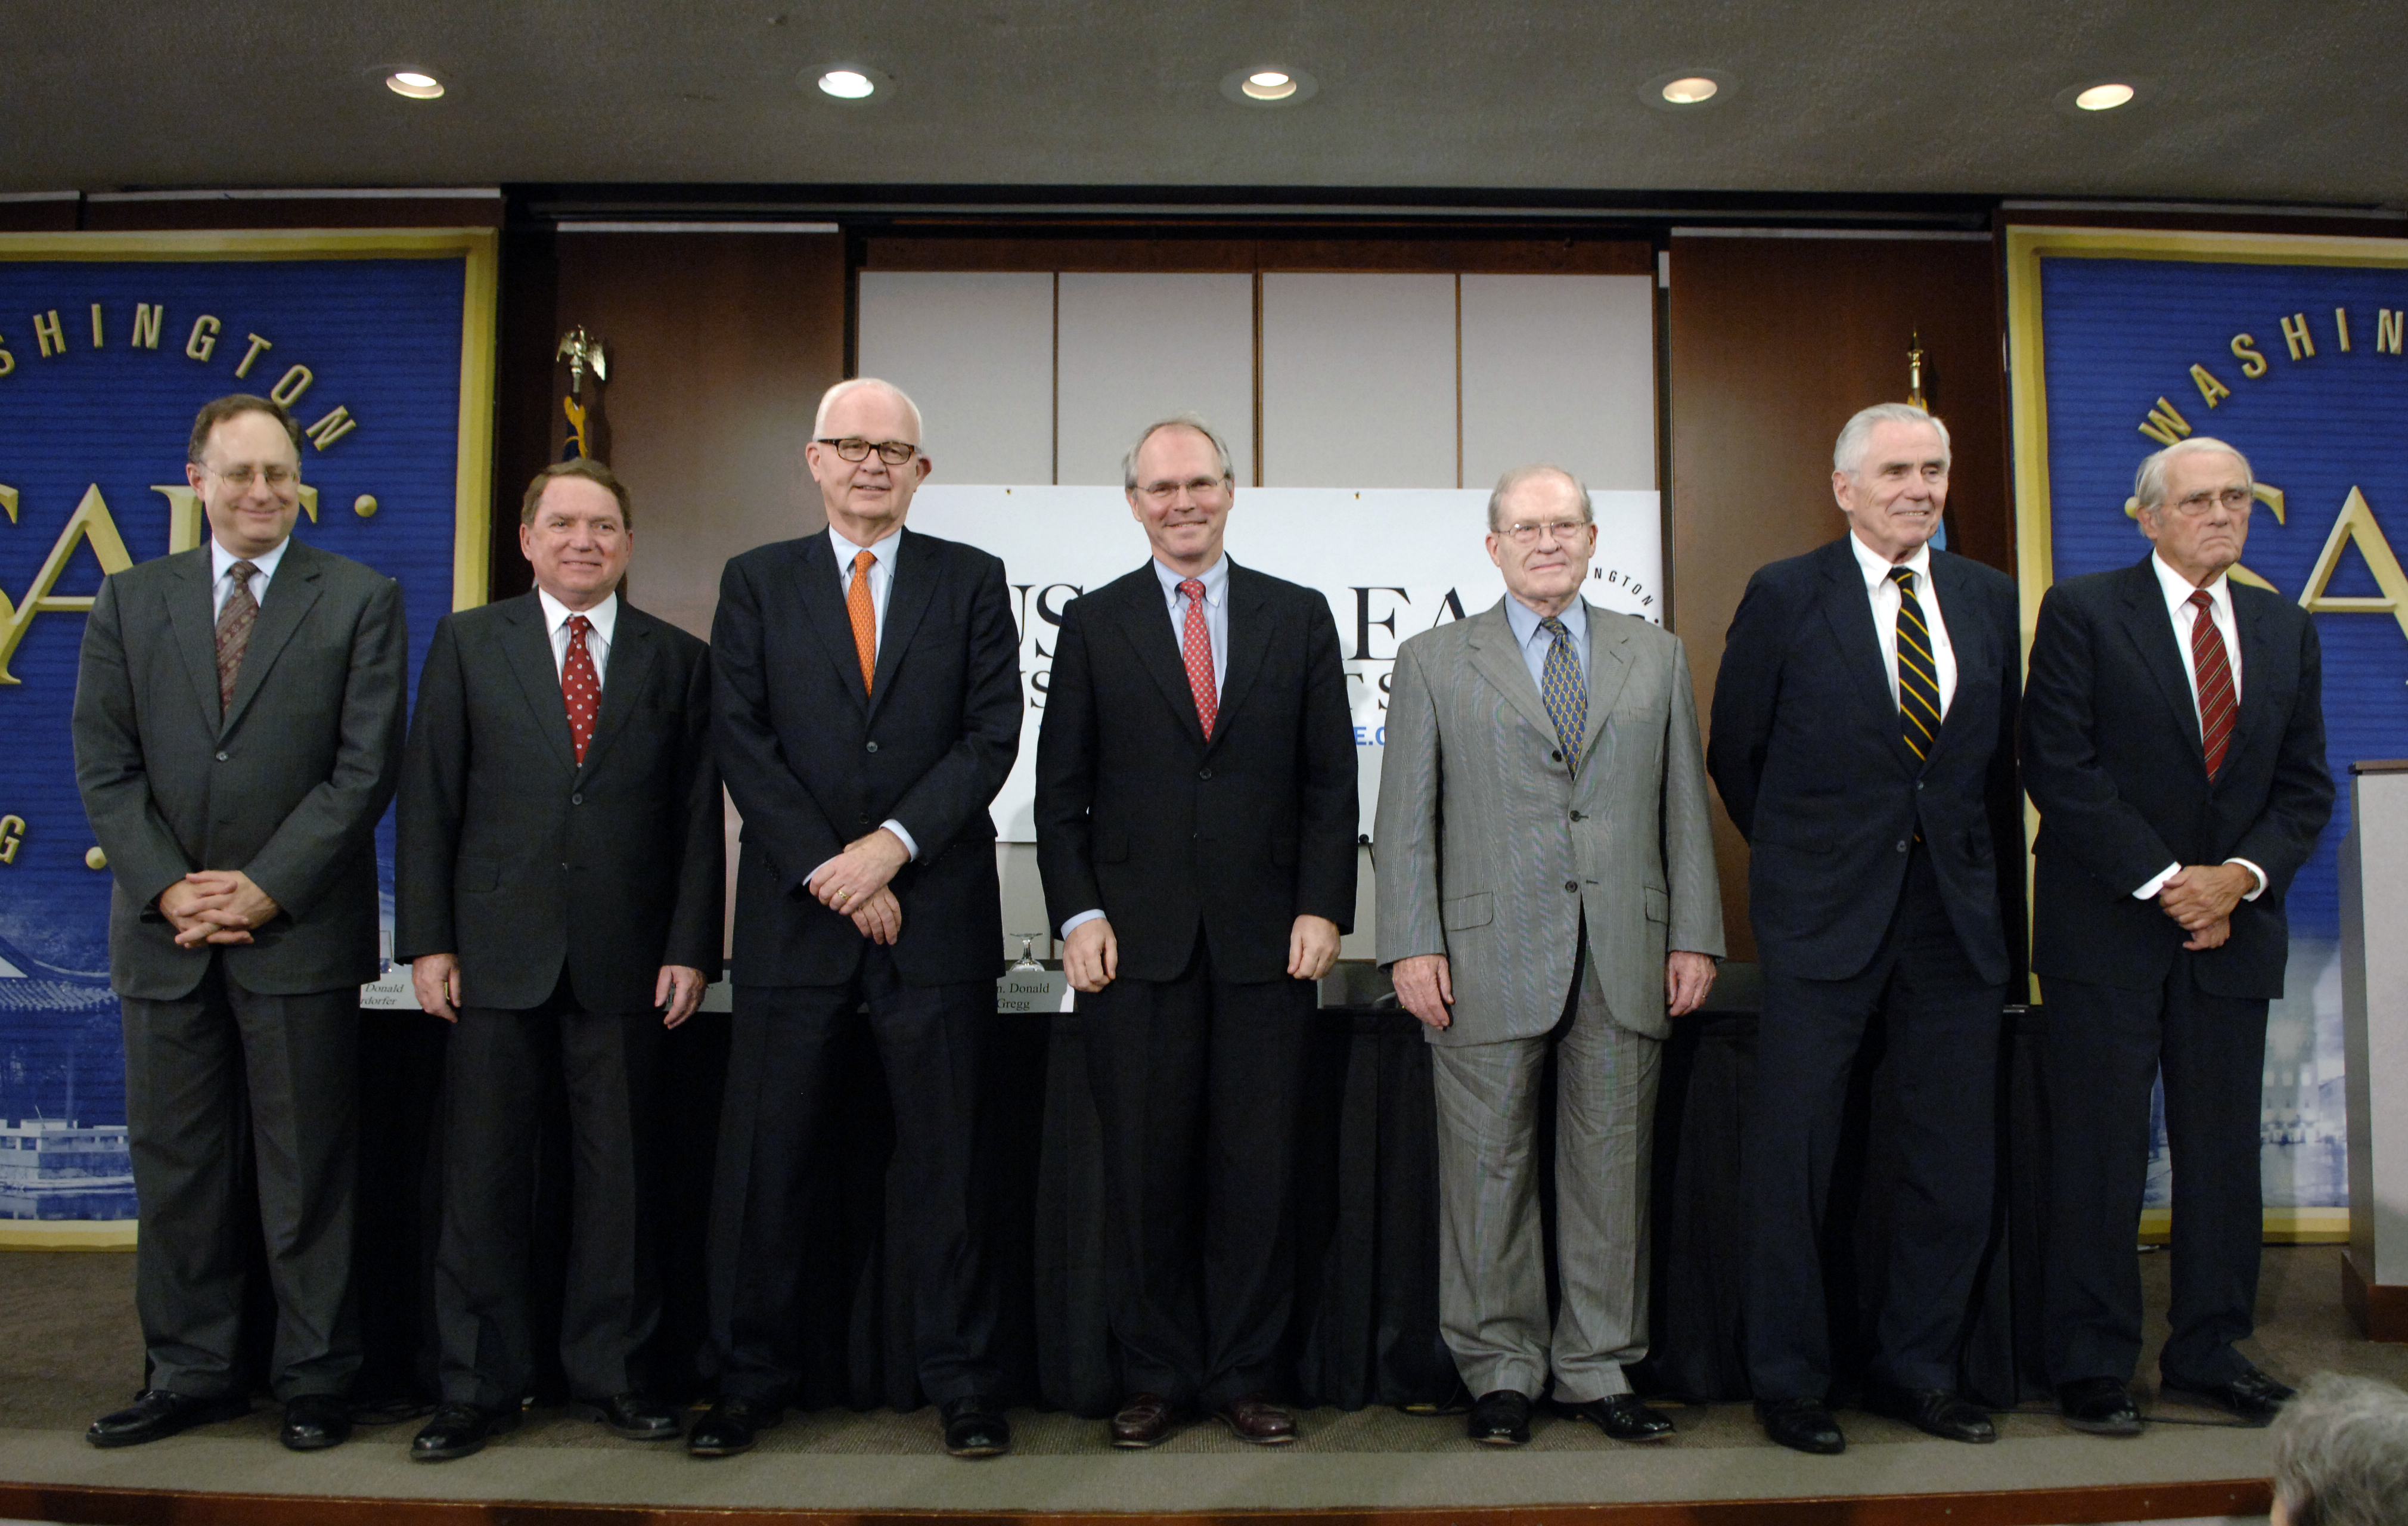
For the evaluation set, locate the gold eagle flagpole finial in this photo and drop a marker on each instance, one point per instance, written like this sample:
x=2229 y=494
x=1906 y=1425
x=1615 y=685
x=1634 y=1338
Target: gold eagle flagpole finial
x=1914 y=371
x=583 y=352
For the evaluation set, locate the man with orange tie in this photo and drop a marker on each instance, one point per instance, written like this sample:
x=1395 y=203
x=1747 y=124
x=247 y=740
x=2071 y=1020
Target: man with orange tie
x=866 y=708
x=2174 y=741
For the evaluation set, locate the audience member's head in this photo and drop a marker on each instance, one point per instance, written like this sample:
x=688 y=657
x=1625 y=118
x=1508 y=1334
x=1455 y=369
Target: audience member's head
x=2340 y=1454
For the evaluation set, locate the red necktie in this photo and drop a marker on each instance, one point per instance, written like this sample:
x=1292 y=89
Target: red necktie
x=864 y=615
x=2215 y=674
x=1196 y=645
x=581 y=686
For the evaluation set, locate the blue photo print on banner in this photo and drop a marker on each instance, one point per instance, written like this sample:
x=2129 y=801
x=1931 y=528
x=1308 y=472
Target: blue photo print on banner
x=2300 y=367
x=103 y=364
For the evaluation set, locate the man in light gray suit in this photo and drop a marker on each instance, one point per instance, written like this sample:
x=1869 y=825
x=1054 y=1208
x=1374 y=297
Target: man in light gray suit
x=1546 y=881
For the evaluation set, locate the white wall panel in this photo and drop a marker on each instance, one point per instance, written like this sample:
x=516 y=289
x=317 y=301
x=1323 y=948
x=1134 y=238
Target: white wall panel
x=1358 y=381
x=1560 y=368
x=975 y=350
x=1137 y=347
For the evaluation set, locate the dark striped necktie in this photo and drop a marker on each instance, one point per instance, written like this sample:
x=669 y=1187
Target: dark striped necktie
x=2212 y=667
x=1918 y=676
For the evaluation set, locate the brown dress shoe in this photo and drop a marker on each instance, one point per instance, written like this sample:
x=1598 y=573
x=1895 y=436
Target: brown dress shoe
x=1253 y=1417
x=1144 y=1419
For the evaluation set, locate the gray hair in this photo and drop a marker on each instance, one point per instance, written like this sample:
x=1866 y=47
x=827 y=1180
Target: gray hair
x=1515 y=476
x=842 y=390
x=2341 y=1453
x=1176 y=421
x=2149 y=483
x=1848 y=452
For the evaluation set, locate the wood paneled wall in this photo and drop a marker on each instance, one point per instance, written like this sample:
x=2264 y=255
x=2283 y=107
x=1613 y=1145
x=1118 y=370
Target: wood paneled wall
x=1774 y=342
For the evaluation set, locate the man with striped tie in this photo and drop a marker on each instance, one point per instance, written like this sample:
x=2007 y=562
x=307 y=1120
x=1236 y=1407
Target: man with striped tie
x=2173 y=740
x=1863 y=739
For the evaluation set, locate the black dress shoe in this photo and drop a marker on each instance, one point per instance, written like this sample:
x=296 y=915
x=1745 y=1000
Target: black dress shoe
x=975 y=1426
x=1501 y=1418
x=1936 y=1412
x=460 y=1430
x=732 y=1425
x=1142 y=1420
x=1622 y=1417
x=2253 y=1396
x=636 y=1417
x=2101 y=1406
x=156 y=1413
x=315 y=1421
x=1802 y=1425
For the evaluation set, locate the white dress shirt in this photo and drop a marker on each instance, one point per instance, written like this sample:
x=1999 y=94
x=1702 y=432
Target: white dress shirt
x=881 y=583
x=221 y=568
x=2184 y=615
x=604 y=617
x=1883 y=590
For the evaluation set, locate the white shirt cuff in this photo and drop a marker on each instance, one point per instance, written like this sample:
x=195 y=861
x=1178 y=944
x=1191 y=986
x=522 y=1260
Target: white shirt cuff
x=902 y=836
x=2256 y=874
x=2149 y=891
x=1083 y=916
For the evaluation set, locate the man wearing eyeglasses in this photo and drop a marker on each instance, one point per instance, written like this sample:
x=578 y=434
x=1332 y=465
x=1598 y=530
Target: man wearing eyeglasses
x=1196 y=828
x=2173 y=740
x=1864 y=743
x=1547 y=886
x=866 y=709
x=237 y=730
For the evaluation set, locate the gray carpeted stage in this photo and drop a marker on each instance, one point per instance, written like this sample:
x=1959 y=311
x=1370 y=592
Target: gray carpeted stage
x=69 y=1349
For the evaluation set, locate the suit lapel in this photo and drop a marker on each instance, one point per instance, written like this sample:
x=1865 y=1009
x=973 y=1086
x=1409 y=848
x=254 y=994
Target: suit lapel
x=910 y=588
x=289 y=594
x=526 y=646
x=1609 y=670
x=1850 y=613
x=1498 y=657
x=1966 y=639
x=2152 y=631
x=1145 y=621
x=190 y=611
x=1249 y=637
x=824 y=611
x=632 y=654
x=2257 y=698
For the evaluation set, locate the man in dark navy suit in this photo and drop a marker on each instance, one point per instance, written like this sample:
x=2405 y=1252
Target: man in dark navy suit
x=2174 y=743
x=868 y=709
x=1864 y=743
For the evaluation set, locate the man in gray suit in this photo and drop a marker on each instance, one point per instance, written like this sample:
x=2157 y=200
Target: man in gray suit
x=237 y=725
x=1546 y=882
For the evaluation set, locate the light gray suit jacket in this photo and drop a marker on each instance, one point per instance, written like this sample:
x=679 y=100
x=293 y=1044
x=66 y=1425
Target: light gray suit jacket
x=1490 y=847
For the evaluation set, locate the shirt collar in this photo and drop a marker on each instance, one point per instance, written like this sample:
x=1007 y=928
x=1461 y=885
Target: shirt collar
x=604 y=616
x=1875 y=569
x=1215 y=580
x=2178 y=589
x=221 y=559
x=846 y=550
x=1524 y=620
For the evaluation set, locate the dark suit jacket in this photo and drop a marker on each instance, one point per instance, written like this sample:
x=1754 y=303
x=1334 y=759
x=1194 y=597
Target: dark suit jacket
x=2113 y=759
x=1138 y=815
x=1808 y=756
x=285 y=784
x=521 y=861
x=812 y=762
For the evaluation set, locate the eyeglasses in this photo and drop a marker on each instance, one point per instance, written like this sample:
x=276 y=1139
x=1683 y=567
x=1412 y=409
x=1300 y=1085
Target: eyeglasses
x=894 y=452
x=1527 y=534
x=1194 y=487
x=2236 y=499
x=240 y=478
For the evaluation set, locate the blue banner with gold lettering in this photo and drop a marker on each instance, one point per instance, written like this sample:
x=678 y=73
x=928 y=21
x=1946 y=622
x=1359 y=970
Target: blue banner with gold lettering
x=2289 y=350
x=381 y=346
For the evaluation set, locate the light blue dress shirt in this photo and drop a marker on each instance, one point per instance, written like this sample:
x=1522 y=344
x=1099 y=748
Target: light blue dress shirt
x=1536 y=642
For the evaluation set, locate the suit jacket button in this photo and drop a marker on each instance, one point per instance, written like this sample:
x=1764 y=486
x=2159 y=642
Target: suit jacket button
x=1901 y=845
x=1203 y=773
x=1577 y=816
x=873 y=746
x=1573 y=885
x=577 y=799
x=1558 y=754
x=221 y=757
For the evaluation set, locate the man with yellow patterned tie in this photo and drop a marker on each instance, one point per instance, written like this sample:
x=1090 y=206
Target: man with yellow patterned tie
x=866 y=709
x=1863 y=739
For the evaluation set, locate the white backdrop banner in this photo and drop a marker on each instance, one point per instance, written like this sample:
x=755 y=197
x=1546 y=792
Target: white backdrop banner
x=1391 y=562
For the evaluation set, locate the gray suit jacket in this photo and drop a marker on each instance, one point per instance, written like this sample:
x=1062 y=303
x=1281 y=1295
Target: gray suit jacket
x=1490 y=848
x=286 y=782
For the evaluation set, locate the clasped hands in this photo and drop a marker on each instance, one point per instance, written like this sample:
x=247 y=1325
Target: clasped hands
x=435 y=979
x=1091 y=955
x=215 y=906
x=2201 y=897
x=853 y=884
x=1425 y=984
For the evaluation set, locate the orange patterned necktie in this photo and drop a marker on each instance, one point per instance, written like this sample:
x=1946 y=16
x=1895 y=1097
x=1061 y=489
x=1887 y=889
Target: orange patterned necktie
x=864 y=616
x=235 y=620
x=2215 y=673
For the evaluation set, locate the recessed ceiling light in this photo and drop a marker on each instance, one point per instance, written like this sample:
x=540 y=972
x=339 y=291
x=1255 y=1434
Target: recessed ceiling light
x=1265 y=86
x=1688 y=90
x=2105 y=98
x=1691 y=90
x=1268 y=85
x=415 y=84
x=848 y=84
